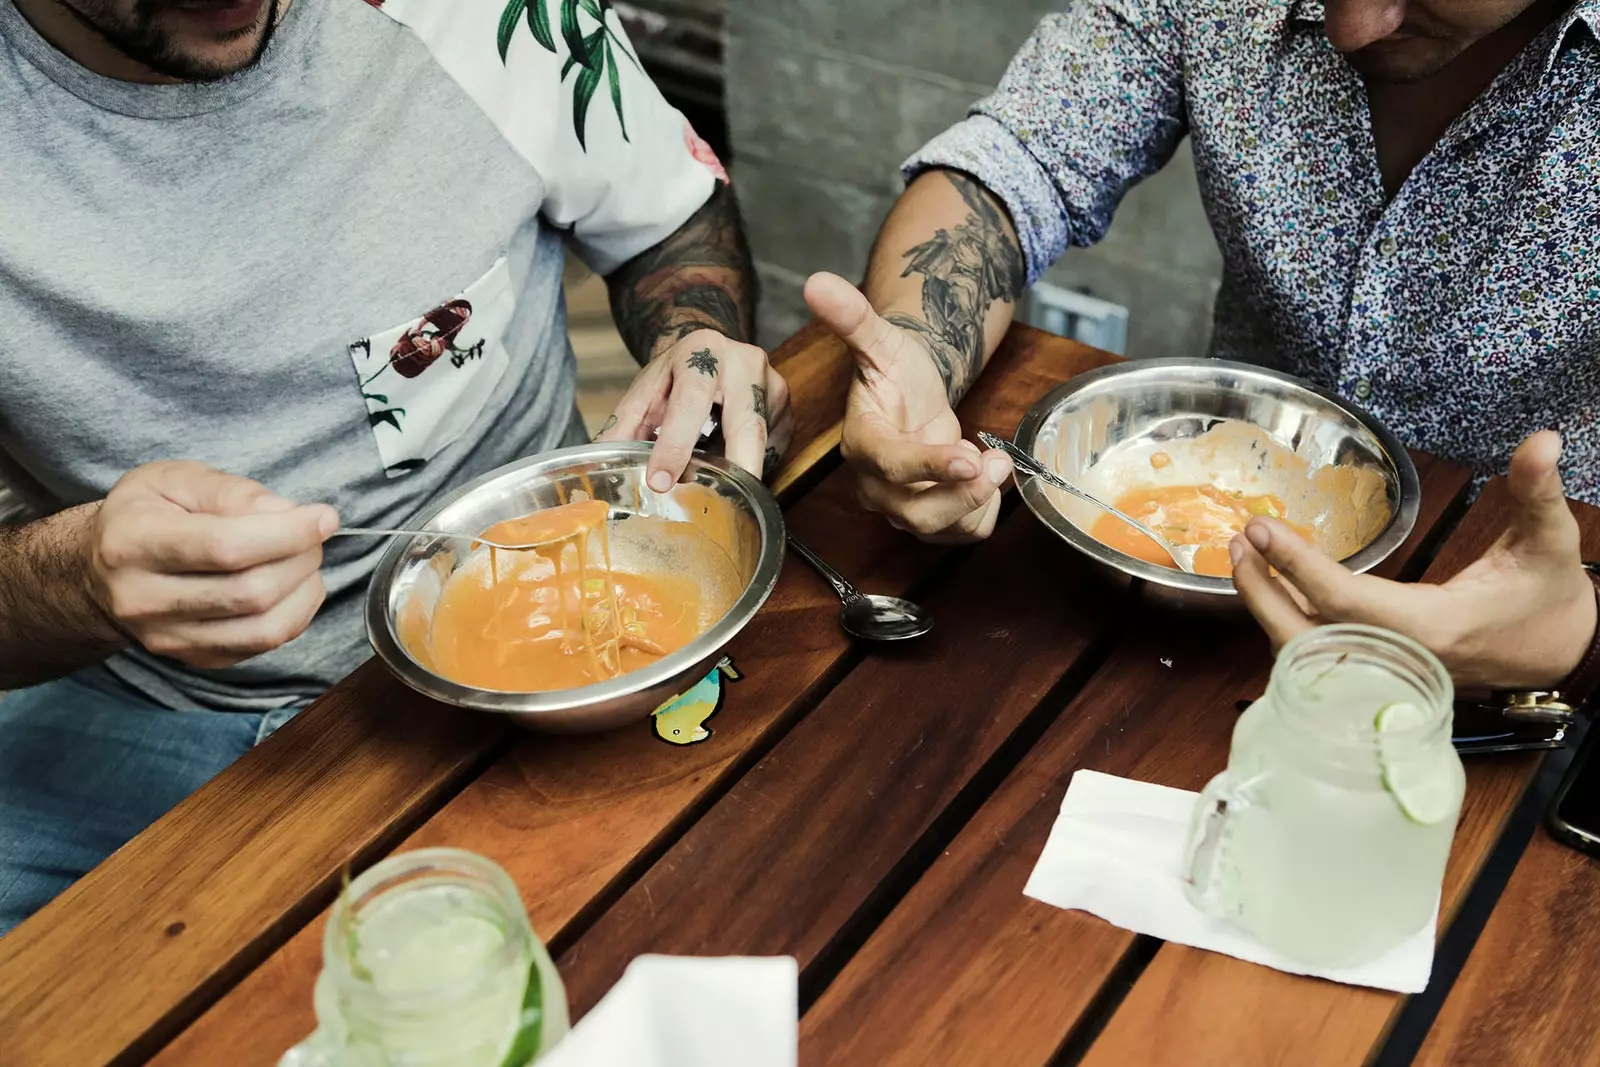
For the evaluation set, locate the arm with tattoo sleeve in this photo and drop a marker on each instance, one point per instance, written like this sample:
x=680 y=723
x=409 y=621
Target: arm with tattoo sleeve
x=686 y=310
x=941 y=289
x=699 y=278
x=948 y=267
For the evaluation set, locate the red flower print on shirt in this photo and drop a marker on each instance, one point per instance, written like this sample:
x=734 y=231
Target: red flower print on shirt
x=702 y=152
x=429 y=339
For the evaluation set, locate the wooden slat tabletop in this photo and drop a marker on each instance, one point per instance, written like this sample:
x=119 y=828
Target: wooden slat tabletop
x=991 y=962
x=1527 y=995
x=1231 y=1012
x=574 y=820
x=872 y=812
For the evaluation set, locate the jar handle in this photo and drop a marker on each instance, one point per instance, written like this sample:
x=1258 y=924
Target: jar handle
x=1205 y=855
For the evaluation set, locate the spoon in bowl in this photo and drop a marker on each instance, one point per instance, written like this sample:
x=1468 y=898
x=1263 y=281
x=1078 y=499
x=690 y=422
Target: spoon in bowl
x=869 y=616
x=1182 y=555
x=368 y=531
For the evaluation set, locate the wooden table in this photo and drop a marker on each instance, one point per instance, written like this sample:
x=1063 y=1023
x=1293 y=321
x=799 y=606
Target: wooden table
x=872 y=812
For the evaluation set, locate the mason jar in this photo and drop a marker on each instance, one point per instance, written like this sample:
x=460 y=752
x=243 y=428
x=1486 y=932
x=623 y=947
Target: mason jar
x=1327 y=835
x=429 y=961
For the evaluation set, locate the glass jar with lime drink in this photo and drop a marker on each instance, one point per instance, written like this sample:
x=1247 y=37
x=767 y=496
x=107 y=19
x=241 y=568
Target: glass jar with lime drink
x=429 y=961
x=1327 y=835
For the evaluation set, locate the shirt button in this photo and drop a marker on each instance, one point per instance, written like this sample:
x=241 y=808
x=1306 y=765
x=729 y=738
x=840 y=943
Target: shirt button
x=1388 y=246
x=1363 y=389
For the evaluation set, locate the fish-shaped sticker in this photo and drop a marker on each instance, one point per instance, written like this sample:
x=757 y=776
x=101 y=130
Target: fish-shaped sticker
x=682 y=720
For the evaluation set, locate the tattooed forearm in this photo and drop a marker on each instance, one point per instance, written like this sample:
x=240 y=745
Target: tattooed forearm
x=699 y=278
x=964 y=271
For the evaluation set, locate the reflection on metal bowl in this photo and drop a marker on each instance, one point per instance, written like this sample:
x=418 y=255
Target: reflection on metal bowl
x=1222 y=423
x=736 y=559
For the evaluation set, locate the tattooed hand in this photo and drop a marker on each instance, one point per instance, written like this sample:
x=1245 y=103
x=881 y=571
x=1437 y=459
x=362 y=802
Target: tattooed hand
x=946 y=273
x=900 y=432
x=676 y=392
x=685 y=309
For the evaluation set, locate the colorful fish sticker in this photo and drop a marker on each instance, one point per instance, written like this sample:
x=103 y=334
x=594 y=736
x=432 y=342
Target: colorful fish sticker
x=682 y=720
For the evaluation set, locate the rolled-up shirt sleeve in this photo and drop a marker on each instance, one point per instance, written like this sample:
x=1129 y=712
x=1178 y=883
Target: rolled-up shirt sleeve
x=1092 y=104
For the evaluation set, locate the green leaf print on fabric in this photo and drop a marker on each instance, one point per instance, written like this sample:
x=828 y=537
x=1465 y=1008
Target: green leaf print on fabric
x=539 y=25
x=570 y=33
x=616 y=85
x=388 y=415
x=582 y=92
x=508 y=25
x=594 y=55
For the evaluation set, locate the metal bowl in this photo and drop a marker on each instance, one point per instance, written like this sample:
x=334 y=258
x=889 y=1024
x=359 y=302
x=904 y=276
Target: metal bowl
x=1097 y=429
x=737 y=563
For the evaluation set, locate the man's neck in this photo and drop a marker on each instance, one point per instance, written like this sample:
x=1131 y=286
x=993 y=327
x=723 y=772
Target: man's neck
x=1409 y=118
x=80 y=42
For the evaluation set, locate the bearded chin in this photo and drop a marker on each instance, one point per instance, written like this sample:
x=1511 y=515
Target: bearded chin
x=142 y=39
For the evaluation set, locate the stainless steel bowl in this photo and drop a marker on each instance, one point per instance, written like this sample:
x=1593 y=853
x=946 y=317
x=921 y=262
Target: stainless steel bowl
x=1103 y=420
x=742 y=558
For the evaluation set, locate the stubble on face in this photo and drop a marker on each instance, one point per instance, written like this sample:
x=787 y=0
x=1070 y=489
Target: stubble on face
x=161 y=36
x=1435 y=33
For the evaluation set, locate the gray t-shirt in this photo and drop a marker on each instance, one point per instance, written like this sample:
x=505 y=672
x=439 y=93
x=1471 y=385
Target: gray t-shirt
x=338 y=273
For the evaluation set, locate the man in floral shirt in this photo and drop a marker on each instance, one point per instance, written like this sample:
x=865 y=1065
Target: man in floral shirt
x=268 y=266
x=1405 y=196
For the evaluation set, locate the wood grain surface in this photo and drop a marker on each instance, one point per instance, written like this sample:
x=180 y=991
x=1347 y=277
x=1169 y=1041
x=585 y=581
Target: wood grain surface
x=808 y=838
x=1527 y=995
x=128 y=956
x=186 y=909
x=967 y=970
x=576 y=820
x=819 y=369
x=1212 y=1009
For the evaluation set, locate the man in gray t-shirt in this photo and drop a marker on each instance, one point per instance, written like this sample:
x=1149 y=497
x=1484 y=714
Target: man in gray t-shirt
x=269 y=266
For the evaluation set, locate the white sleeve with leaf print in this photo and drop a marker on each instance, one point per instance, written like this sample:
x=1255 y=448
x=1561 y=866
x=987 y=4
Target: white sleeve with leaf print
x=622 y=169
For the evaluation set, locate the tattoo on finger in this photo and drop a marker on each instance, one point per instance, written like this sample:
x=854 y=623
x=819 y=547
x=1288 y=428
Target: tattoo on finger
x=758 y=401
x=611 y=421
x=770 y=465
x=704 y=362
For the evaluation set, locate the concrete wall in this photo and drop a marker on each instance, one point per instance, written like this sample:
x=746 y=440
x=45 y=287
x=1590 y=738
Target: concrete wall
x=827 y=97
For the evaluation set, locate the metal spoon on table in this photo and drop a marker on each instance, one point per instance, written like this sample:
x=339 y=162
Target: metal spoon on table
x=869 y=616
x=1182 y=555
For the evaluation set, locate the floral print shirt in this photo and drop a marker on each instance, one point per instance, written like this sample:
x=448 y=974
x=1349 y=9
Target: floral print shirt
x=1464 y=312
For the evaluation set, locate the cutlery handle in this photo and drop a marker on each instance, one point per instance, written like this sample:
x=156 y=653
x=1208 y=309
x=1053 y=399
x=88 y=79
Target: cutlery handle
x=840 y=583
x=1028 y=465
x=369 y=531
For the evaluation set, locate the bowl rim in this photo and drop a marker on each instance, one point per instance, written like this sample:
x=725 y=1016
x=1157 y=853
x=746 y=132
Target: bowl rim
x=769 y=562
x=1393 y=535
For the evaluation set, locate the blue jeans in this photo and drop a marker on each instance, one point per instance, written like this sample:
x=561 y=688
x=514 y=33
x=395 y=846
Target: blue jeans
x=85 y=765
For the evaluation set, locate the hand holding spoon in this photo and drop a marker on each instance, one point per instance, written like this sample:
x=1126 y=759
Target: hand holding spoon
x=869 y=616
x=1182 y=555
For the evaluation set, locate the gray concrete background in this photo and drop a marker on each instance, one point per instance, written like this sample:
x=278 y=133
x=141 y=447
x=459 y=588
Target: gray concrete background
x=827 y=97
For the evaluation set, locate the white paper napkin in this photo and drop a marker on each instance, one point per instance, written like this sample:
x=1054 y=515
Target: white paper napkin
x=678 y=1011
x=1116 y=851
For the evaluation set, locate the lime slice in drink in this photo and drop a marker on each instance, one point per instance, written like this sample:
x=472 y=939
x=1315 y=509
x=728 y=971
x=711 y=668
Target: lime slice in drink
x=1421 y=785
x=530 y=1023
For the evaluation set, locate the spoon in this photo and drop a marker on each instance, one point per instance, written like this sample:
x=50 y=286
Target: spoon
x=1182 y=555
x=368 y=531
x=869 y=616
